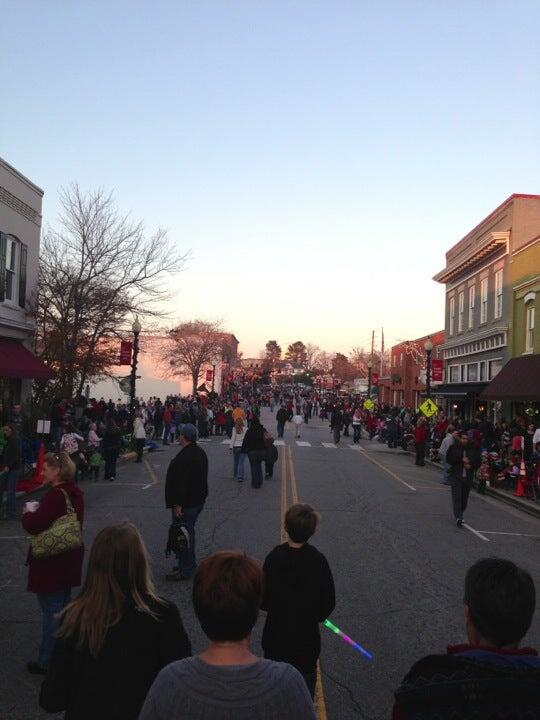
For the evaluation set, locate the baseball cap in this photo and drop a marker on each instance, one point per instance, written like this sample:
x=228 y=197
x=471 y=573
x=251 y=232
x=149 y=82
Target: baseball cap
x=189 y=431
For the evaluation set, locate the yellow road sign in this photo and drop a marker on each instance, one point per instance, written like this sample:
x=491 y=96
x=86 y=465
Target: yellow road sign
x=428 y=407
x=369 y=404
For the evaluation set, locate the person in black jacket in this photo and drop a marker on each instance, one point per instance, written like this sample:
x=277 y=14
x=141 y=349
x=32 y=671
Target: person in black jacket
x=464 y=459
x=115 y=637
x=254 y=446
x=298 y=595
x=10 y=468
x=186 y=490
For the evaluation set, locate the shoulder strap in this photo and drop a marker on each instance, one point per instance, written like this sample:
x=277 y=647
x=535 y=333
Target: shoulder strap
x=69 y=506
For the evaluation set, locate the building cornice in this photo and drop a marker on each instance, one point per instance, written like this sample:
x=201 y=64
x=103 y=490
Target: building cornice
x=494 y=242
x=9 y=168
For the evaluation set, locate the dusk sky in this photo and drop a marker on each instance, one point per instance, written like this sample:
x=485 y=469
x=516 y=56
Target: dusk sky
x=317 y=158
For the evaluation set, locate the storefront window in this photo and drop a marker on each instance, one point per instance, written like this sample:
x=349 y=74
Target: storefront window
x=454 y=373
x=482 y=371
x=472 y=372
x=495 y=366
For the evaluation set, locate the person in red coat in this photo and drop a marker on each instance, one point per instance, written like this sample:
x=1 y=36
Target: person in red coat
x=52 y=578
x=420 y=439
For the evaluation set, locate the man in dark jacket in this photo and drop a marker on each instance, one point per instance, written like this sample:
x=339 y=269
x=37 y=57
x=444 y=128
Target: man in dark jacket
x=336 y=423
x=282 y=416
x=10 y=468
x=491 y=677
x=186 y=490
x=464 y=459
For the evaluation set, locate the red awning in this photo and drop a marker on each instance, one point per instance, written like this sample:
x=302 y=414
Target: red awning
x=519 y=380
x=18 y=362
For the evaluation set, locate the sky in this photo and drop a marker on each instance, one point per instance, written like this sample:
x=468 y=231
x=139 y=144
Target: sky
x=316 y=158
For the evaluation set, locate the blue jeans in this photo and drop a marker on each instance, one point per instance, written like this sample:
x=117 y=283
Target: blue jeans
x=187 y=563
x=256 y=458
x=239 y=459
x=51 y=604
x=280 y=429
x=8 y=484
x=446 y=473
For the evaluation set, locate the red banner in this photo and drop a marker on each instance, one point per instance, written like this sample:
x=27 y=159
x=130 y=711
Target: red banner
x=209 y=374
x=374 y=378
x=125 y=353
x=437 y=370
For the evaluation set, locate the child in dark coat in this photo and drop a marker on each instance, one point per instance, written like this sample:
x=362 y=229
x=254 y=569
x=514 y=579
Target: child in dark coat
x=298 y=595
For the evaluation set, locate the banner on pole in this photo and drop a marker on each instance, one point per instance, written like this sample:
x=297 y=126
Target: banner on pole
x=374 y=378
x=209 y=375
x=437 y=370
x=125 y=352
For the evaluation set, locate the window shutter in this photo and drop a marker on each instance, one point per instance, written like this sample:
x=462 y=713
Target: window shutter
x=22 y=275
x=3 y=248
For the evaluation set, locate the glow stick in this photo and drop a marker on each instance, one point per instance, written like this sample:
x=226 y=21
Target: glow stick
x=347 y=639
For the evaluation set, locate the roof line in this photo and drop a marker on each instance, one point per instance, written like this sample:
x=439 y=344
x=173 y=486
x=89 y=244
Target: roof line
x=491 y=214
x=20 y=176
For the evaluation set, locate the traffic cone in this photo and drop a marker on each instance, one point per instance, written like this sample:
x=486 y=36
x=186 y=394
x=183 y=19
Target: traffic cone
x=521 y=483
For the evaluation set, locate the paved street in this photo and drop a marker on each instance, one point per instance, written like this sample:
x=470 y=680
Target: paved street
x=387 y=530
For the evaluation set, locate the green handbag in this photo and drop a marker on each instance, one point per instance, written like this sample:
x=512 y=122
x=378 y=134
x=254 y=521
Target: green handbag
x=63 y=535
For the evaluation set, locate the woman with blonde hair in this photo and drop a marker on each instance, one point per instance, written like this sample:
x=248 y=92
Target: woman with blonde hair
x=237 y=438
x=52 y=577
x=115 y=637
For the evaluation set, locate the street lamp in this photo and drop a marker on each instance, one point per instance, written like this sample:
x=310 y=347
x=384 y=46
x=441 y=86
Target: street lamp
x=369 y=366
x=136 y=328
x=428 y=347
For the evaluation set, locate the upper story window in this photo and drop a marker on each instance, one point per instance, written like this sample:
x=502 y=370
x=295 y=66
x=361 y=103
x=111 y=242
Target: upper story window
x=529 y=327
x=483 y=300
x=452 y=313
x=461 y=311
x=13 y=260
x=498 y=294
x=472 y=298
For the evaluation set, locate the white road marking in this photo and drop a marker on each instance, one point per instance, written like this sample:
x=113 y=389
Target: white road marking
x=145 y=487
x=478 y=534
x=303 y=443
x=279 y=442
x=225 y=442
x=355 y=447
x=392 y=474
x=204 y=440
x=329 y=445
x=496 y=532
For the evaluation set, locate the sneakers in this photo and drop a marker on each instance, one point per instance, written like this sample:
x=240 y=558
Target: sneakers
x=459 y=522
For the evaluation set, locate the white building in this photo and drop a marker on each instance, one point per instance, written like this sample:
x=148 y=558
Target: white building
x=20 y=227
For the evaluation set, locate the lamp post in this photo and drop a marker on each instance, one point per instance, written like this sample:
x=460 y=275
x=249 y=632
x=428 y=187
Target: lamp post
x=428 y=347
x=214 y=363
x=136 y=328
x=369 y=367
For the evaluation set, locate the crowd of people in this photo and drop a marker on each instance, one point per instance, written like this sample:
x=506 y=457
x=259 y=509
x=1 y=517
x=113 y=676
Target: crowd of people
x=119 y=650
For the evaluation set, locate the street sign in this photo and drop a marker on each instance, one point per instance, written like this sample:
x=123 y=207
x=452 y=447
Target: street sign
x=369 y=404
x=428 y=407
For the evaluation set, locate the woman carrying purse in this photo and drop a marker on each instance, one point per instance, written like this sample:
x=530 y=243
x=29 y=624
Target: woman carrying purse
x=52 y=576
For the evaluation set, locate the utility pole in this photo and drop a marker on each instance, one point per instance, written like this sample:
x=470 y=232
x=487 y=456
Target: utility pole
x=372 y=345
x=382 y=352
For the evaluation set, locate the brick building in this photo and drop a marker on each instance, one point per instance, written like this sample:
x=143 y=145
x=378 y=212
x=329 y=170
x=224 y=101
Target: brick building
x=405 y=384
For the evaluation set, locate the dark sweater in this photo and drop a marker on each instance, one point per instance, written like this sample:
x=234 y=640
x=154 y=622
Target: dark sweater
x=471 y=683
x=113 y=686
x=187 y=478
x=298 y=595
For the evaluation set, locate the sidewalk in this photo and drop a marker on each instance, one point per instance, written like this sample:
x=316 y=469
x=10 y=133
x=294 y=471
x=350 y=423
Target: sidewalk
x=523 y=504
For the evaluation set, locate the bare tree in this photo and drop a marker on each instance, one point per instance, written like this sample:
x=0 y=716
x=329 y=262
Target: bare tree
x=312 y=351
x=190 y=347
x=97 y=271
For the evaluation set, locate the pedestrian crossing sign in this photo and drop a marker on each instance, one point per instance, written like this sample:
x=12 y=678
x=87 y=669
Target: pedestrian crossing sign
x=369 y=404
x=428 y=407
